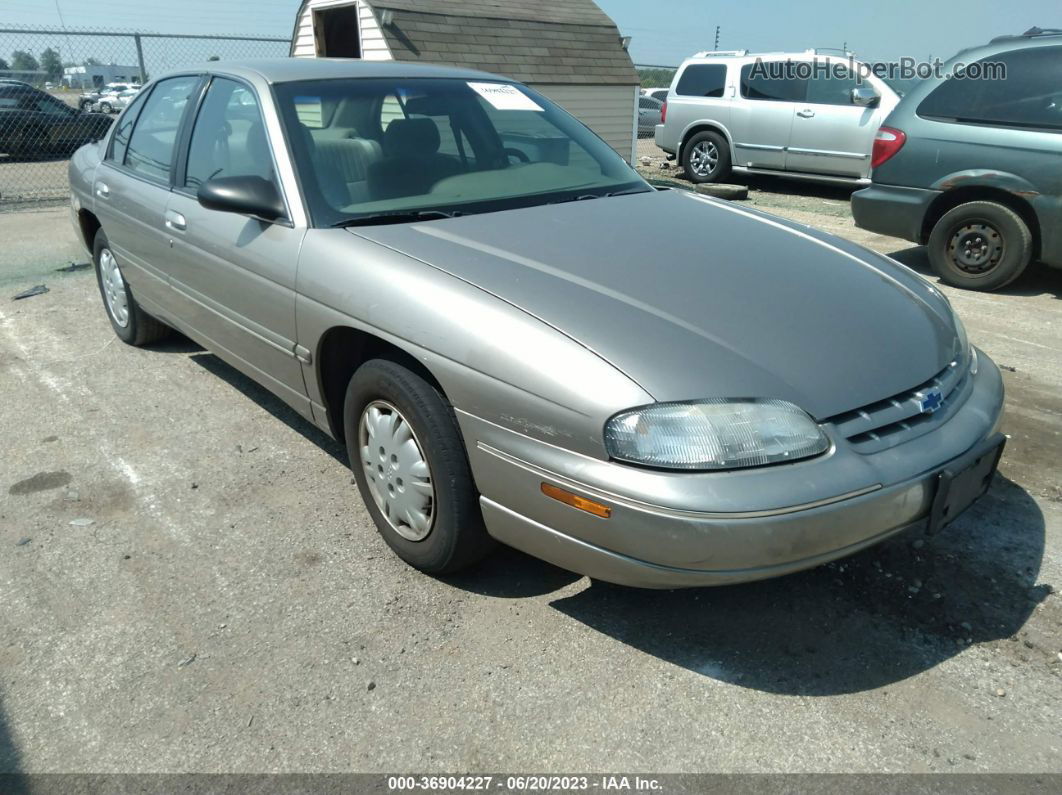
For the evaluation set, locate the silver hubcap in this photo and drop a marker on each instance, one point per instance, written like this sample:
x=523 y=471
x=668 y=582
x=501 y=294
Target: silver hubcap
x=114 y=288
x=396 y=470
x=704 y=157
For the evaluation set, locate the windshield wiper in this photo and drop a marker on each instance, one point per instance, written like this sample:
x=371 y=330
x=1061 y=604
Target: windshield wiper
x=628 y=192
x=587 y=196
x=378 y=219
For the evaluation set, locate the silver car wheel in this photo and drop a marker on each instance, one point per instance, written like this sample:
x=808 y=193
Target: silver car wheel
x=704 y=157
x=114 y=288
x=396 y=471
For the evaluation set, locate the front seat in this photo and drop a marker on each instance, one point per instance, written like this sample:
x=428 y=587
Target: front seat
x=412 y=163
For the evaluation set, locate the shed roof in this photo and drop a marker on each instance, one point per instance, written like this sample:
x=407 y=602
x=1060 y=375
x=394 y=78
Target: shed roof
x=561 y=42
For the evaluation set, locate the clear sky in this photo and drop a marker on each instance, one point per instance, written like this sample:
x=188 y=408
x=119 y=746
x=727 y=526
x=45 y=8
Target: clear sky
x=663 y=31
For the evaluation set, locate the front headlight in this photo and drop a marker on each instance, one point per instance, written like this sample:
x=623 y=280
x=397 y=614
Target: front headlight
x=714 y=434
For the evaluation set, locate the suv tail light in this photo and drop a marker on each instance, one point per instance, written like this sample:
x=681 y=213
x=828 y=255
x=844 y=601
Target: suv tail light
x=663 y=113
x=887 y=143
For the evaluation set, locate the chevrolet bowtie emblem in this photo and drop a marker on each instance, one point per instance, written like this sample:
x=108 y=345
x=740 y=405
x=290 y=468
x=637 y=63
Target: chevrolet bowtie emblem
x=930 y=401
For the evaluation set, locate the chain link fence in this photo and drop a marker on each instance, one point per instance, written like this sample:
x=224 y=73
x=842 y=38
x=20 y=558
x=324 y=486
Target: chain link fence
x=655 y=79
x=60 y=89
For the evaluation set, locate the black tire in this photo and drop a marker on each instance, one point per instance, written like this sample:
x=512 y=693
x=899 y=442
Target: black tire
x=105 y=107
x=711 y=142
x=140 y=328
x=456 y=537
x=980 y=246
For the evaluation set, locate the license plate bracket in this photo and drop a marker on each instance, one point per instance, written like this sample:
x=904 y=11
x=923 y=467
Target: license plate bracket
x=964 y=481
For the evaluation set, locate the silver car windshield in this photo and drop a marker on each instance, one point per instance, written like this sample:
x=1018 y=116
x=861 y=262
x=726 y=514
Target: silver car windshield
x=397 y=149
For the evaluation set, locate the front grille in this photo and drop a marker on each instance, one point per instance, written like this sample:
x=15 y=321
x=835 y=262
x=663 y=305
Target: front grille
x=900 y=418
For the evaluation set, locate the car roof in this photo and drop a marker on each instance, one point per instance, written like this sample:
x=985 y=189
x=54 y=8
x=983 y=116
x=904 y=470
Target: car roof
x=289 y=70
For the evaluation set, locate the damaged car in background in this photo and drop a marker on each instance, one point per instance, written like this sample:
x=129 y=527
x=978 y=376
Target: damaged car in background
x=447 y=272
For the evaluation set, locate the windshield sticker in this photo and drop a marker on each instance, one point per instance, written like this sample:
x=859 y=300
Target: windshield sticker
x=504 y=96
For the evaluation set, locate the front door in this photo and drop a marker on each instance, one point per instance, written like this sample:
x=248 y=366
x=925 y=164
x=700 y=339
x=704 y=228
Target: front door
x=234 y=276
x=830 y=134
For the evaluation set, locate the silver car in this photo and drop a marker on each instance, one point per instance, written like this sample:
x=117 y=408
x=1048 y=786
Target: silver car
x=806 y=115
x=448 y=273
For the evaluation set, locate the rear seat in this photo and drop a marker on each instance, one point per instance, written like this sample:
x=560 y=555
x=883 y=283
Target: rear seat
x=349 y=159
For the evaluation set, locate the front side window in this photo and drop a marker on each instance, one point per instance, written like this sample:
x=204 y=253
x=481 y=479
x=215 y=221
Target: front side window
x=154 y=139
x=1030 y=96
x=402 y=146
x=833 y=89
x=772 y=81
x=702 y=80
x=229 y=138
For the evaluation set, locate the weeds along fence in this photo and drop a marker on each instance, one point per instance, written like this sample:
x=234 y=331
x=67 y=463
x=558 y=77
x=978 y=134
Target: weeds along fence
x=62 y=88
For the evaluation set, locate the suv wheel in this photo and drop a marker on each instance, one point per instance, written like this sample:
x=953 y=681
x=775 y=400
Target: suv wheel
x=980 y=246
x=411 y=468
x=706 y=158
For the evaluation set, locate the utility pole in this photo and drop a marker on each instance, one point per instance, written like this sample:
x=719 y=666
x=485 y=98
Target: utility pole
x=717 y=28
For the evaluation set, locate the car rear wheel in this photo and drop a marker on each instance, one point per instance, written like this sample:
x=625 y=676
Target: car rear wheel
x=410 y=464
x=106 y=107
x=980 y=246
x=132 y=324
x=706 y=158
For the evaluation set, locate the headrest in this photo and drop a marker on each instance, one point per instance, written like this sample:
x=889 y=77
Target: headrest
x=410 y=137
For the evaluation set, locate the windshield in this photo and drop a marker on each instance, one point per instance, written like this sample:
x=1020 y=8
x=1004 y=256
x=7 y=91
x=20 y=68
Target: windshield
x=379 y=147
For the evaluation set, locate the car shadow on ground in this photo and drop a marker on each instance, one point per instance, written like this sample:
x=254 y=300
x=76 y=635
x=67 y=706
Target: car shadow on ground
x=1038 y=279
x=795 y=187
x=268 y=401
x=864 y=622
x=9 y=755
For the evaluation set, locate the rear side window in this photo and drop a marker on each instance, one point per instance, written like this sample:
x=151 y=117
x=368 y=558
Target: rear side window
x=154 y=139
x=771 y=82
x=702 y=80
x=125 y=126
x=1029 y=97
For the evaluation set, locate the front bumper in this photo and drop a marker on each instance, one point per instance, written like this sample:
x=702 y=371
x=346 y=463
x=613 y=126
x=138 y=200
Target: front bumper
x=679 y=540
x=893 y=210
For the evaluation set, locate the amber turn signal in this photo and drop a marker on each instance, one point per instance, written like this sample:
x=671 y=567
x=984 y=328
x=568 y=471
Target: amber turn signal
x=575 y=501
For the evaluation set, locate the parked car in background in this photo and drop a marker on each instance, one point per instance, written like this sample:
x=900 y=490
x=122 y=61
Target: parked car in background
x=33 y=122
x=723 y=115
x=649 y=115
x=655 y=93
x=116 y=101
x=472 y=318
x=973 y=168
x=89 y=99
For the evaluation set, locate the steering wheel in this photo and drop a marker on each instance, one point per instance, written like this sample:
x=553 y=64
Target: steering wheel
x=518 y=154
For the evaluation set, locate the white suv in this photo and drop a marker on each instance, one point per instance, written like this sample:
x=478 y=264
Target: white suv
x=806 y=115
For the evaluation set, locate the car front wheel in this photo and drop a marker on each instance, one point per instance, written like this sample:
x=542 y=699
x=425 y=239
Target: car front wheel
x=411 y=468
x=980 y=246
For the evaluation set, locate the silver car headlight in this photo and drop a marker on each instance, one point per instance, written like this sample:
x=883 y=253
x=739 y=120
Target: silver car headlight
x=714 y=434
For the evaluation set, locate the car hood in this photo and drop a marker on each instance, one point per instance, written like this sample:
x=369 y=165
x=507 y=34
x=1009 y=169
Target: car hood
x=692 y=297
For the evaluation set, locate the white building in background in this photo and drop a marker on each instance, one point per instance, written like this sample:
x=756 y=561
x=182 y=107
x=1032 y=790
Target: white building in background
x=99 y=76
x=569 y=50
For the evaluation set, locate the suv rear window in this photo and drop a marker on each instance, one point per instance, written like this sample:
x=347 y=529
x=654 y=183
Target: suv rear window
x=774 y=85
x=1029 y=97
x=702 y=80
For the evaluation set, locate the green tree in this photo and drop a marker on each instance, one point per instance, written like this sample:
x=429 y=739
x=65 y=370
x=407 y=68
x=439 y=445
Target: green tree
x=91 y=62
x=214 y=58
x=22 y=61
x=52 y=64
x=3 y=65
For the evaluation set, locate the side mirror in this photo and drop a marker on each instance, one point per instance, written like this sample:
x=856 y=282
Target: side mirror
x=865 y=97
x=253 y=196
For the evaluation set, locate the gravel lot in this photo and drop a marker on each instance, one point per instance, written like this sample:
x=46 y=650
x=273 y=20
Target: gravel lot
x=190 y=583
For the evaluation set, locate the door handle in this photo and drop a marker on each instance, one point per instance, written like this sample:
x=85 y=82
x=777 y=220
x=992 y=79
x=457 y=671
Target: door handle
x=807 y=113
x=102 y=190
x=176 y=221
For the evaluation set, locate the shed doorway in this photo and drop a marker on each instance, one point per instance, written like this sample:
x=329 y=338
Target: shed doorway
x=337 y=32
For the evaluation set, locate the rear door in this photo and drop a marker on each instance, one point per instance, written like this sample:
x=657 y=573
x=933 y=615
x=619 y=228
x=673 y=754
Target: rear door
x=132 y=187
x=831 y=135
x=234 y=276
x=763 y=113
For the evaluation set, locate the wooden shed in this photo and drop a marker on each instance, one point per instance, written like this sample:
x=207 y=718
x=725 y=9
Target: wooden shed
x=569 y=50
